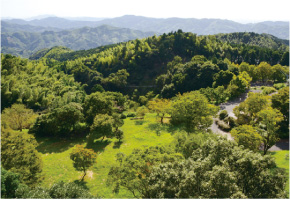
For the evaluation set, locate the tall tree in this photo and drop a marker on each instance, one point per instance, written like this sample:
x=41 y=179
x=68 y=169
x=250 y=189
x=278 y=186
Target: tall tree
x=101 y=127
x=18 y=117
x=268 y=120
x=247 y=136
x=161 y=107
x=193 y=111
x=18 y=154
x=83 y=159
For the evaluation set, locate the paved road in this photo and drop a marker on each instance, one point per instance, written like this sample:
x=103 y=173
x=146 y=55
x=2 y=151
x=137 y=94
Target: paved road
x=229 y=107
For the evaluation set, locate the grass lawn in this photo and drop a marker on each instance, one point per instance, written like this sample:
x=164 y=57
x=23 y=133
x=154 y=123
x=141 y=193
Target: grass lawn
x=57 y=165
x=282 y=160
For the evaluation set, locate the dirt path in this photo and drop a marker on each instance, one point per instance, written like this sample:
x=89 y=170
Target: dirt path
x=229 y=107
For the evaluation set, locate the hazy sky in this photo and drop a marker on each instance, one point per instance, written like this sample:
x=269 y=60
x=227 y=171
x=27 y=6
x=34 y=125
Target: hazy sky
x=238 y=10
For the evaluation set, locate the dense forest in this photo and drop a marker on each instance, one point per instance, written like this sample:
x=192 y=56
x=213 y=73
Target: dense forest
x=133 y=119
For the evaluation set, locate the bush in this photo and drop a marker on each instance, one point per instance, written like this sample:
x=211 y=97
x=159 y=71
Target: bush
x=123 y=116
x=223 y=114
x=232 y=122
x=223 y=125
x=279 y=86
x=131 y=114
x=268 y=90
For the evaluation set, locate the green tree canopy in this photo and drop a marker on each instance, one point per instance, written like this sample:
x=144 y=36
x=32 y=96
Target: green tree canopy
x=83 y=158
x=133 y=170
x=247 y=136
x=18 y=154
x=101 y=127
x=247 y=111
x=268 y=120
x=218 y=169
x=18 y=117
x=193 y=111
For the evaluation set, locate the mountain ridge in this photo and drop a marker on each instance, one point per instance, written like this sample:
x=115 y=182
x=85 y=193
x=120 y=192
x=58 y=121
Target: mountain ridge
x=203 y=26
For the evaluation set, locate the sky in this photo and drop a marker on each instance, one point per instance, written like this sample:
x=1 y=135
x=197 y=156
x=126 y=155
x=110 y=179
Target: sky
x=236 y=10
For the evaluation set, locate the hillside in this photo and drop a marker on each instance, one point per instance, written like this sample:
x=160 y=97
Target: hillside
x=146 y=59
x=160 y=25
x=133 y=119
x=254 y=39
x=26 y=43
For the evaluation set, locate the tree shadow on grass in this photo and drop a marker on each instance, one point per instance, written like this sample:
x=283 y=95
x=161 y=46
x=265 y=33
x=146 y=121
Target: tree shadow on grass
x=82 y=184
x=98 y=146
x=139 y=122
x=117 y=144
x=57 y=145
x=158 y=128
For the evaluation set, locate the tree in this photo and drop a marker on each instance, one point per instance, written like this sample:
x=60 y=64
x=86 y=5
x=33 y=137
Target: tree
x=247 y=136
x=116 y=80
x=10 y=182
x=18 y=117
x=18 y=154
x=83 y=158
x=268 y=120
x=193 y=111
x=222 y=78
x=133 y=170
x=141 y=111
x=101 y=127
x=264 y=71
x=279 y=73
x=280 y=101
x=161 y=107
x=118 y=122
x=59 y=190
x=68 y=116
x=97 y=103
x=246 y=112
x=218 y=169
x=59 y=122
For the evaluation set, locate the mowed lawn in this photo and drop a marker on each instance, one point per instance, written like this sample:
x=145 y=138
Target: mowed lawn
x=57 y=165
x=282 y=160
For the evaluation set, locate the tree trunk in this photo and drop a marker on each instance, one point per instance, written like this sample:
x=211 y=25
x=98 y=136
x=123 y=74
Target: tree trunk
x=84 y=175
x=162 y=119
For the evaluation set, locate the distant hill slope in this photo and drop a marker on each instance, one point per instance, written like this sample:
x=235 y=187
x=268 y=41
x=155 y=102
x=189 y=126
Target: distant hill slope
x=254 y=39
x=11 y=27
x=198 y=26
x=26 y=43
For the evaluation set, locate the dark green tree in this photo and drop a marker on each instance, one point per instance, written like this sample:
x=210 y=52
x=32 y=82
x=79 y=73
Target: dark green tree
x=18 y=154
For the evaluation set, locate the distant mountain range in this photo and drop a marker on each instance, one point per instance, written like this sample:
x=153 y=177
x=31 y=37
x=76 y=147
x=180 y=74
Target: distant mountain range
x=158 y=25
x=26 y=43
x=25 y=37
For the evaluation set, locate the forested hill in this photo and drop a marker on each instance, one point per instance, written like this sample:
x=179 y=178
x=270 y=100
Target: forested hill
x=160 y=25
x=26 y=43
x=146 y=59
x=254 y=39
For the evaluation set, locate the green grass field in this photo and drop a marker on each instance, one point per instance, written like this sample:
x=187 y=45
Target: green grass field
x=282 y=160
x=57 y=165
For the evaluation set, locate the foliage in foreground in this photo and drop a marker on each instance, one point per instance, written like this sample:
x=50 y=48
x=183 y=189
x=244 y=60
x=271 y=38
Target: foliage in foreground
x=219 y=169
x=18 y=154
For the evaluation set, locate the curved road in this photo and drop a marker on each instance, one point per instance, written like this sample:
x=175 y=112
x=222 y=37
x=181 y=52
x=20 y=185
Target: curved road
x=229 y=107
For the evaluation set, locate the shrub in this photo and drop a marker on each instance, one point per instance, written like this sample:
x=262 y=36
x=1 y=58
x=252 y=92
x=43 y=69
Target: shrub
x=123 y=116
x=223 y=114
x=223 y=125
x=131 y=114
x=268 y=90
x=232 y=122
x=279 y=86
